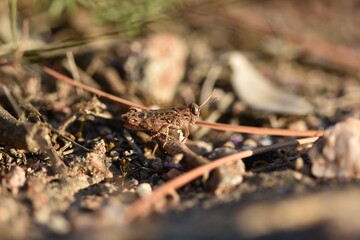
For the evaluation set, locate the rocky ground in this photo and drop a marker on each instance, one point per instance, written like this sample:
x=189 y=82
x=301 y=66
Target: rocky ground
x=72 y=164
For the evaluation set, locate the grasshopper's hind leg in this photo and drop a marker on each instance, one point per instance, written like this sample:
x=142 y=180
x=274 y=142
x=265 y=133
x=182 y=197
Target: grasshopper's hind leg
x=167 y=127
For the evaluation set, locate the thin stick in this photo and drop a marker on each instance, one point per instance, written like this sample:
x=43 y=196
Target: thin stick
x=255 y=130
x=98 y=92
x=143 y=207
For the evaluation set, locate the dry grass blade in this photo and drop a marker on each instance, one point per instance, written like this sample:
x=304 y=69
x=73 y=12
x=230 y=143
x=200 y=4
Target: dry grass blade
x=143 y=207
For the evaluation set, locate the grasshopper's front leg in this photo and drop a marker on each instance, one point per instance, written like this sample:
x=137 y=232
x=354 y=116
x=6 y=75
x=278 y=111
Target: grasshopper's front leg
x=187 y=133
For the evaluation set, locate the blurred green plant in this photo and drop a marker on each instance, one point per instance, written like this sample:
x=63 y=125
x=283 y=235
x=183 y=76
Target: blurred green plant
x=126 y=19
x=128 y=15
x=58 y=7
x=13 y=11
x=125 y=14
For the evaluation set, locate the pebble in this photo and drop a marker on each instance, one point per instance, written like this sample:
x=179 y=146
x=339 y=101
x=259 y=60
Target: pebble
x=144 y=190
x=337 y=153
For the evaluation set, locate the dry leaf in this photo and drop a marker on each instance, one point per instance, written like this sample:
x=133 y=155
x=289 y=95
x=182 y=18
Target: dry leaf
x=258 y=92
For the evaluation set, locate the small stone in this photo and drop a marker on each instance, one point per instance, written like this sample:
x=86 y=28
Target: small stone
x=226 y=177
x=96 y=164
x=229 y=144
x=249 y=144
x=298 y=175
x=100 y=147
x=144 y=190
x=265 y=141
x=299 y=164
x=16 y=178
x=59 y=224
x=337 y=153
x=299 y=125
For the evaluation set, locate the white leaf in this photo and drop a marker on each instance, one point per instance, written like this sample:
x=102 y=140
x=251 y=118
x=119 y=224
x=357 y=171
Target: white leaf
x=258 y=92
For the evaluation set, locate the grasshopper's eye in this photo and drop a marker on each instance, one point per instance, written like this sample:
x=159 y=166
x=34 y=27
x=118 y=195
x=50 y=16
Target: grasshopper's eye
x=134 y=109
x=195 y=109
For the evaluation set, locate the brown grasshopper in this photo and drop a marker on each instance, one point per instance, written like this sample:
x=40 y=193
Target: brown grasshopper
x=160 y=121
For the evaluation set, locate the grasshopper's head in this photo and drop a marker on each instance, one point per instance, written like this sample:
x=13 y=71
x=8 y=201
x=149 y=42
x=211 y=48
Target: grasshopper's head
x=132 y=118
x=195 y=109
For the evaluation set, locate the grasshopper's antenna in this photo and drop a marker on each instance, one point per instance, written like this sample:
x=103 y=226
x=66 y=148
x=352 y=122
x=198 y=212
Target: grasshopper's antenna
x=208 y=99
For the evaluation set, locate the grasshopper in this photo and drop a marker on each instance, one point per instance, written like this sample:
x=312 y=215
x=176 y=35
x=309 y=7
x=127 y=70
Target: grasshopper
x=161 y=121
